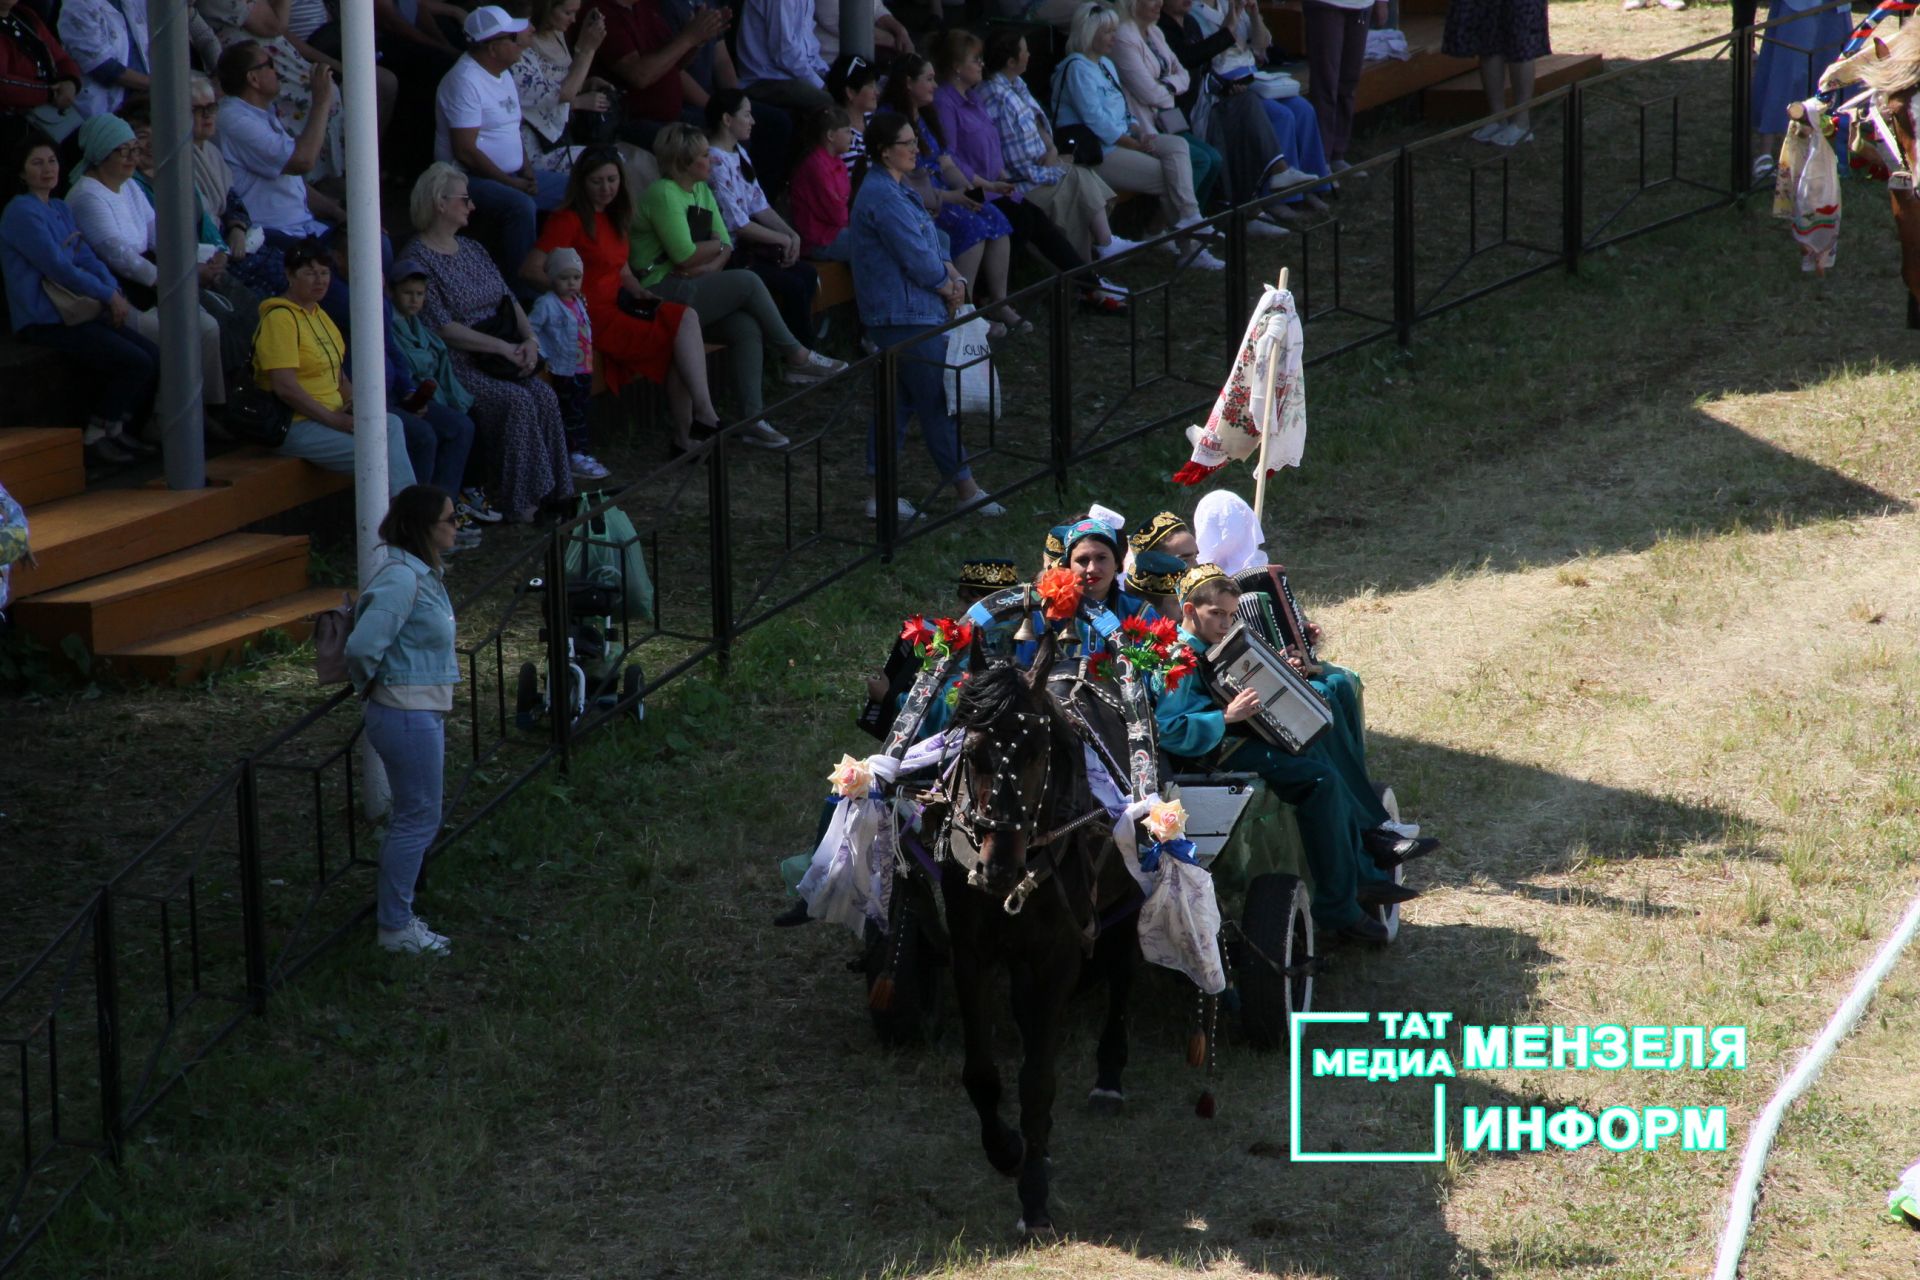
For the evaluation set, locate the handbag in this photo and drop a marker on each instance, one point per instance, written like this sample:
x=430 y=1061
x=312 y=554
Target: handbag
x=503 y=324
x=1081 y=143
x=258 y=417
x=74 y=308
x=1172 y=120
x=330 y=632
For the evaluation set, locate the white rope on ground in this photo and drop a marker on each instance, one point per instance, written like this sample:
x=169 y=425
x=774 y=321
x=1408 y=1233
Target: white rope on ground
x=1746 y=1189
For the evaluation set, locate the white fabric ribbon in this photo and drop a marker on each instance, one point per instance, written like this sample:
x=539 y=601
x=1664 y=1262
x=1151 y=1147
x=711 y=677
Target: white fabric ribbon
x=850 y=879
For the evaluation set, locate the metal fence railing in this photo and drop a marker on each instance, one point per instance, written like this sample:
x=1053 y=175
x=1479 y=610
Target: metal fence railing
x=267 y=869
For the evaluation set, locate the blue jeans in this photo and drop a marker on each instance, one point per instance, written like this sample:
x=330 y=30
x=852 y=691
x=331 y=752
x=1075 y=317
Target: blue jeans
x=413 y=747
x=122 y=364
x=922 y=391
x=512 y=213
x=333 y=450
x=439 y=438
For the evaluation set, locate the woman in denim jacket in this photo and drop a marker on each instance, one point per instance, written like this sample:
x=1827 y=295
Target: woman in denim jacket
x=401 y=660
x=903 y=286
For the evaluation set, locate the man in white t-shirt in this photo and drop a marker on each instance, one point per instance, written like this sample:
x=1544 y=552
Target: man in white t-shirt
x=477 y=126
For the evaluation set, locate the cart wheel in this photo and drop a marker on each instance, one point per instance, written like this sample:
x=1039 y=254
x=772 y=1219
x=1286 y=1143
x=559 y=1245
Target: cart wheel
x=1277 y=924
x=630 y=681
x=1388 y=801
x=912 y=1015
x=529 y=704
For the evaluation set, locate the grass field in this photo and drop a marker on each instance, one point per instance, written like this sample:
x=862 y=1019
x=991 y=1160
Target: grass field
x=1628 y=563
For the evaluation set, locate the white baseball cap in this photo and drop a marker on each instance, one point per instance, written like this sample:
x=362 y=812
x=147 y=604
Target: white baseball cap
x=490 y=22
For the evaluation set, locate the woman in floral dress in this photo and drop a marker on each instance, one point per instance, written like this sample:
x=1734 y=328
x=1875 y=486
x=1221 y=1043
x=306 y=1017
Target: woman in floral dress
x=518 y=419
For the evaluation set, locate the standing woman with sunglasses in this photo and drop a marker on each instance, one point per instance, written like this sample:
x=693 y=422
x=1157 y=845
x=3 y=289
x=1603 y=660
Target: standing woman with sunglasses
x=401 y=660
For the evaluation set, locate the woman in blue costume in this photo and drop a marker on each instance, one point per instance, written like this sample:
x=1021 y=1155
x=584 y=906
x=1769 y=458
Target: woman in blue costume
x=1092 y=551
x=1196 y=730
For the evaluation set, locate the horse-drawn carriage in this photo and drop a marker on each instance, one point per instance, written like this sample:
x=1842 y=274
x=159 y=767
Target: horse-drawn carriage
x=1017 y=835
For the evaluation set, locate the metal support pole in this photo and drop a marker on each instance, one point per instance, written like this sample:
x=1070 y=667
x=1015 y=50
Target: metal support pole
x=720 y=546
x=179 y=408
x=886 y=478
x=559 y=658
x=1060 y=382
x=1403 y=295
x=1739 y=134
x=360 y=111
x=1573 y=180
x=856 y=28
x=1236 y=272
x=253 y=920
x=106 y=985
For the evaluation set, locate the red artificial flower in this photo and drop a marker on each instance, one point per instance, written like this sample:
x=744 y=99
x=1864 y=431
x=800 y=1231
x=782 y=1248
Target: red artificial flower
x=956 y=635
x=1136 y=628
x=1100 y=666
x=1059 y=589
x=1179 y=671
x=1165 y=630
x=917 y=634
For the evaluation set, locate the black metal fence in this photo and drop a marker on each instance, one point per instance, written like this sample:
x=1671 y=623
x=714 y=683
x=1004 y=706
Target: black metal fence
x=267 y=869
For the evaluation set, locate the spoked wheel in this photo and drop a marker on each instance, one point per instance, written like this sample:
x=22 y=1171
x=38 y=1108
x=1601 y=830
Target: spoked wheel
x=1275 y=972
x=906 y=967
x=528 y=705
x=1389 y=914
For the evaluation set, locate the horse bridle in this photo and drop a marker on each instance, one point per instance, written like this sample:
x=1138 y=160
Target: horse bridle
x=1026 y=814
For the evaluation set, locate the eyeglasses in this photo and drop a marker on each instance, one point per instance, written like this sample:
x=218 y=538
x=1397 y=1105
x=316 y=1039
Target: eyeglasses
x=462 y=198
x=265 y=64
x=903 y=142
x=206 y=109
x=452 y=520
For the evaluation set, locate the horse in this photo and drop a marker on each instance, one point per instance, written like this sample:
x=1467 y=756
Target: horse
x=1044 y=878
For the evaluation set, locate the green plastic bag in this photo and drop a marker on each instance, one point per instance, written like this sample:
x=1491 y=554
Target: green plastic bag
x=608 y=545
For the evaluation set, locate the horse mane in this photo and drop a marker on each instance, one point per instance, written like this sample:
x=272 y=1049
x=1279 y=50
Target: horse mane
x=988 y=695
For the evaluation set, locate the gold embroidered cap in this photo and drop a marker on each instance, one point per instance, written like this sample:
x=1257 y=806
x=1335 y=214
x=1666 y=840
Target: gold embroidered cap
x=989 y=574
x=1199 y=576
x=1156 y=573
x=1156 y=531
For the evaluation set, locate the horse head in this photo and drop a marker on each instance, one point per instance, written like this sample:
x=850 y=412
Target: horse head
x=1009 y=762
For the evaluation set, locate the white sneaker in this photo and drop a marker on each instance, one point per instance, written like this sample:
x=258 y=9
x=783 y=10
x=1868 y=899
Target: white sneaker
x=1628 y=6
x=1116 y=289
x=1491 y=129
x=1203 y=260
x=1513 y=135
x=761 y=435
x=1675 y=5
x=1195 y=221
x=1266 y=229
x=588 y=466
x=1114 y=247
x=816 y=369
x=981 y=504
x=901 y=507
x=416 y=939
x=473 y=505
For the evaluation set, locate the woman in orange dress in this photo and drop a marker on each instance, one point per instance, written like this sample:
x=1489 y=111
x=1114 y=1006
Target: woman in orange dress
x=636 y=333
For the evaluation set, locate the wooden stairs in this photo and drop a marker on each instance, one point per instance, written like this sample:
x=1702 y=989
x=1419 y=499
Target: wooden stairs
x=157 y=583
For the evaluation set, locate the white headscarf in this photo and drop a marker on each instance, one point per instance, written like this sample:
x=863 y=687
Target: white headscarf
x=1228 y=532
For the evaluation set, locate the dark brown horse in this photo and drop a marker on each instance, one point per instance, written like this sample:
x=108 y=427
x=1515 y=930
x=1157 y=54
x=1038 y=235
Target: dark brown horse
x=1038 y=874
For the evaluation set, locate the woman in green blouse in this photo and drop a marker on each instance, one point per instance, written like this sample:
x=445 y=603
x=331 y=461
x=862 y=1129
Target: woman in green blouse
x=680 y=251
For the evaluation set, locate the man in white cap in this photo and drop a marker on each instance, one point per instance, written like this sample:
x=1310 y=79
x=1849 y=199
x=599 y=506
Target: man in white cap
x=477 y=126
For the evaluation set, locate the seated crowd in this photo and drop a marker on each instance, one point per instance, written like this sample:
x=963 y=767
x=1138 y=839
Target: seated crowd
x=603 y=189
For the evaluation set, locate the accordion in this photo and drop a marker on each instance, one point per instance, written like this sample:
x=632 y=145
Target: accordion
x=1292 y=713
x=1268 y=606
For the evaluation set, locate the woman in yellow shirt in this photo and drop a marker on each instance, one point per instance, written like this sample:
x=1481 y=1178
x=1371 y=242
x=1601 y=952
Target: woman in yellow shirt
x=298 y=355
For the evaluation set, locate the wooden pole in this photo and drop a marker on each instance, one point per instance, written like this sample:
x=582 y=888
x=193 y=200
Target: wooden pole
x=1260 y=471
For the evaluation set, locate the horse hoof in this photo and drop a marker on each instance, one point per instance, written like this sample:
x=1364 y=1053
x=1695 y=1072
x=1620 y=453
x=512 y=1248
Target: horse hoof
x=1106 y=1102
x=1038 y=1233
x=1009 y=1156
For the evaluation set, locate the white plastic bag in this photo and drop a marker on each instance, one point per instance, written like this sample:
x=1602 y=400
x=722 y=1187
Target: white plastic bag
x=973 y=388
x=1180 y=924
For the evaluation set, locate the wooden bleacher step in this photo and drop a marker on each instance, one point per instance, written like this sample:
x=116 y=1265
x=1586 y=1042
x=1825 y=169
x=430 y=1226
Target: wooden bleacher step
x=41 y=464
x=1462 y=98
x=178 y=657
x=180 y=590
x=105 y=530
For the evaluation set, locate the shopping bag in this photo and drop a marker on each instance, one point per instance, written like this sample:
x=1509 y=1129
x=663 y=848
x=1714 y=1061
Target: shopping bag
x=973 y=388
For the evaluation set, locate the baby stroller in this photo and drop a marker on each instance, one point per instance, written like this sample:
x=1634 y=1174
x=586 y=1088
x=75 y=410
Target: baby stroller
x=597 y=674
